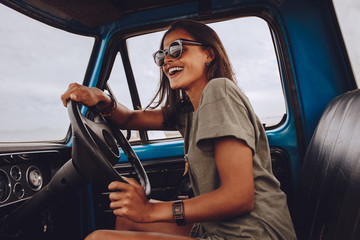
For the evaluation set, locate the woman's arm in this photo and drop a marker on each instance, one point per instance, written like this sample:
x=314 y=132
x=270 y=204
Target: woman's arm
x=123 y=117
x=234 y=197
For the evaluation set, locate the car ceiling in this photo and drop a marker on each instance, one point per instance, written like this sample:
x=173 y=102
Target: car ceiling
x=86 y=15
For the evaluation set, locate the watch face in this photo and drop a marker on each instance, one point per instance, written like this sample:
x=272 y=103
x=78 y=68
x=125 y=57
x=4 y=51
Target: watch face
x=178 y=213
x=178 y=210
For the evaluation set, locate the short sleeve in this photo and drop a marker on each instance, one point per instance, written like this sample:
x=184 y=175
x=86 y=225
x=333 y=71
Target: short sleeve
x=222 y=113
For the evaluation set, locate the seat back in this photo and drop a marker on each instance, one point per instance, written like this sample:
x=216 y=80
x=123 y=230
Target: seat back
x=328 y=200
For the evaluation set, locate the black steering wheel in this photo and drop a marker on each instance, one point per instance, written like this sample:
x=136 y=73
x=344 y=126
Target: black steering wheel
x=96 y=144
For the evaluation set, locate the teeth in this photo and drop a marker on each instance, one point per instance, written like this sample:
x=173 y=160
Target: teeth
x=174 y=69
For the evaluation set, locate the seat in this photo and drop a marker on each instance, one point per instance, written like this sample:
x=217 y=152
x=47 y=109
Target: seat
x=328 y=195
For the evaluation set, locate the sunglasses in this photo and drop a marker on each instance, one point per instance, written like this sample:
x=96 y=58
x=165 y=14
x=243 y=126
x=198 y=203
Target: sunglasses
x=175 y=50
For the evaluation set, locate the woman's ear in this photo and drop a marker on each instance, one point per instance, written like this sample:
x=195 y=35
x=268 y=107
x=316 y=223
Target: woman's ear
x=210 y=54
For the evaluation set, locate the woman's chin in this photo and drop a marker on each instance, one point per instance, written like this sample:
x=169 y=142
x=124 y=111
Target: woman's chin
x=174 y=85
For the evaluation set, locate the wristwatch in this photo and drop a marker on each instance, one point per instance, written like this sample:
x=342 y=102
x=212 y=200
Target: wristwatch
x=178 y=212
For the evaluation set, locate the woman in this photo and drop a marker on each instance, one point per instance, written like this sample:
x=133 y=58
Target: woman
x=237 y=197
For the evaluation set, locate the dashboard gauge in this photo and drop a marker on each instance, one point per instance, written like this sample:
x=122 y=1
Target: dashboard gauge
x=4 y=186
x=34 y=178
x=15 y=173
x=19 y=190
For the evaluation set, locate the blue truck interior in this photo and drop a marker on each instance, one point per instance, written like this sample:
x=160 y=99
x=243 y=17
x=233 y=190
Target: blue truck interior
x=314 y=69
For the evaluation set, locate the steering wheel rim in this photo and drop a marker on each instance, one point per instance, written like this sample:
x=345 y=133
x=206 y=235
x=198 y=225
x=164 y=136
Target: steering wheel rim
x=95 y=148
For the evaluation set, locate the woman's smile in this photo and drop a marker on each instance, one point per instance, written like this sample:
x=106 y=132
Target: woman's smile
x=174 y=70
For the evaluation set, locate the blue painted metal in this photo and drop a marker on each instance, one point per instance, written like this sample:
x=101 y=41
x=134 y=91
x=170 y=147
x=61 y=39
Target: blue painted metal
x=99 y=60
x=161 y=150
x=286 y=138
x=315 y=52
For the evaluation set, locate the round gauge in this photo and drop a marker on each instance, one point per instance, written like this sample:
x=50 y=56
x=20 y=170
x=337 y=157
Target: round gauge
x=15 y=173
x=4 y=186
x=19 y=190
x=34 y=178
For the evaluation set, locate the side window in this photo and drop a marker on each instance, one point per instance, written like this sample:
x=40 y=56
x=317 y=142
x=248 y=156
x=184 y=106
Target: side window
x=118 y=84
x=348 y=13
x=37 y=63
x=147 y=74
x=251 y=52
x=144 y=69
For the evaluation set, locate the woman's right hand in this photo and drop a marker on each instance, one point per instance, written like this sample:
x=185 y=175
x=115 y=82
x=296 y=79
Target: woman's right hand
x=123 y=117
x=88 y=96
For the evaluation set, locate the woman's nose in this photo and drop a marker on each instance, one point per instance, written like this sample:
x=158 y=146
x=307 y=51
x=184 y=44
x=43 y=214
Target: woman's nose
x=167 y=59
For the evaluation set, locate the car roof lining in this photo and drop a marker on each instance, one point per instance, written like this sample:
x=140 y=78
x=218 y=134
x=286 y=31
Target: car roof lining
x=90 y=14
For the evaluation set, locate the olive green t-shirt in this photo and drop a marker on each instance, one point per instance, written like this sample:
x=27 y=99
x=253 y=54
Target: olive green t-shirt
x=224 y=110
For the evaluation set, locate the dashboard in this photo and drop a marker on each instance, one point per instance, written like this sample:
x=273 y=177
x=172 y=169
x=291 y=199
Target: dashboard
x=24 y=174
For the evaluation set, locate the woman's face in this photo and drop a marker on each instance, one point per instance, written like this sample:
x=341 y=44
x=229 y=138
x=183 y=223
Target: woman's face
x=190 y=69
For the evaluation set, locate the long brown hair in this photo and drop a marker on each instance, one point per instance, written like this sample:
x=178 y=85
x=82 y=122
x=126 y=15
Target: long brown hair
x=219 y=67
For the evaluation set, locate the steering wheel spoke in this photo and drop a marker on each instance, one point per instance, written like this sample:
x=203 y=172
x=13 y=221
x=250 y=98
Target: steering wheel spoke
x=96 y=143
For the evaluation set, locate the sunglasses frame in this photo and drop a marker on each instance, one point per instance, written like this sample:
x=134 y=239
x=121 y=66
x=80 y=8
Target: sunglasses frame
x=181 y=42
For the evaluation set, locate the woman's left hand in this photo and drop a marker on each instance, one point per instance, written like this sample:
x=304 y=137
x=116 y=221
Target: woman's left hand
x=130 y=201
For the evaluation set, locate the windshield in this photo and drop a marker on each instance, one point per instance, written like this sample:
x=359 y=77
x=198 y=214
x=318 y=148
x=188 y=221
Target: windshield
x=37 y=63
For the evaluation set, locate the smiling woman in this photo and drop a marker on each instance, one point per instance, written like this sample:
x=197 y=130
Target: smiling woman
x=44 y=59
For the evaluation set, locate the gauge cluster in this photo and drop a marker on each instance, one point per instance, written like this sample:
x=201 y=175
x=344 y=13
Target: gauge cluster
x=22 y=175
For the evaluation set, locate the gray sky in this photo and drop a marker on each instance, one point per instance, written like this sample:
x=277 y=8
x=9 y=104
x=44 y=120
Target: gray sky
x=30 y=86
x=348 y=12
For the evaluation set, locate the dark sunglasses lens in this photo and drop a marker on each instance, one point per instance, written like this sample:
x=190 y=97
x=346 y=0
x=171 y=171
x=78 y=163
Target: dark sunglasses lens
x=175 y=50
x=159 y=57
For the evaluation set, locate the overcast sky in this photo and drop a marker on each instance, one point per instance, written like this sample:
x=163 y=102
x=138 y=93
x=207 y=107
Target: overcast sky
x=38 y=102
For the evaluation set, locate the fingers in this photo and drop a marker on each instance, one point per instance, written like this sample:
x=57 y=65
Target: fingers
x=70 y=93
x=130 y=200
x=132 y=182
x=117 y=186
x=119 y=199
x=120 y=186
x=125 y=192
x=85 y=95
